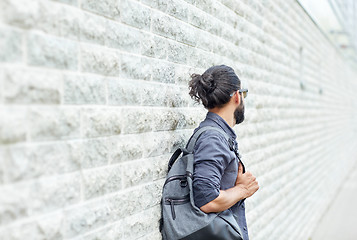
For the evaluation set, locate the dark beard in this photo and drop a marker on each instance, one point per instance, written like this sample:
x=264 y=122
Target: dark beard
x=239 y=114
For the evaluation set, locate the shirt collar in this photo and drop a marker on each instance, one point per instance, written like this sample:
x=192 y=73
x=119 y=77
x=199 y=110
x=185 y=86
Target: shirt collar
x=222 y=123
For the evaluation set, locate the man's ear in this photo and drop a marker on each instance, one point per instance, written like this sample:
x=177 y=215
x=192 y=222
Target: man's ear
x=237 y=98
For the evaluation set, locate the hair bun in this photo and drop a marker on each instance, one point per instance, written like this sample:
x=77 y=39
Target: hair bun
x=208 y=83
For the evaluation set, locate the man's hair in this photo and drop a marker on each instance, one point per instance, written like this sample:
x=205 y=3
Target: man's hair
x=214 y=86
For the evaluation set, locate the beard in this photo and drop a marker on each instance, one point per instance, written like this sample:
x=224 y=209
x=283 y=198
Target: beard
x=239 y=113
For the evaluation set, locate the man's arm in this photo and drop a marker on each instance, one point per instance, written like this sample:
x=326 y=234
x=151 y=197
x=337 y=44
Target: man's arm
x=246 y=185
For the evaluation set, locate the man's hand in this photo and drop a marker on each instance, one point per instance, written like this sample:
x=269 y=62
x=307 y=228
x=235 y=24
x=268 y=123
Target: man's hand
x=246 y=181
x=246 y=185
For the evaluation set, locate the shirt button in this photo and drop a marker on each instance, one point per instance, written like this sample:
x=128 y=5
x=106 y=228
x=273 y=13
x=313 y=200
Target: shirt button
x=245 y=229
x=242 y=206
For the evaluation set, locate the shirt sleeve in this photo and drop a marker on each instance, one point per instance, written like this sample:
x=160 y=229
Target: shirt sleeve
x=211 y=159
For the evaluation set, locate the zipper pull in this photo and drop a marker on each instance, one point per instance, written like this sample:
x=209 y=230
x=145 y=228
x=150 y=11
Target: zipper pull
x=172 y=208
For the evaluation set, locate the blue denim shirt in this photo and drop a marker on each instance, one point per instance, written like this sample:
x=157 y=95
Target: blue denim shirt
x=216 y=167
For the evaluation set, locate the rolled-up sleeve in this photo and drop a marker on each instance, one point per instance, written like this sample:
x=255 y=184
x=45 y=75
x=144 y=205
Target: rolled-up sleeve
x=211 y=159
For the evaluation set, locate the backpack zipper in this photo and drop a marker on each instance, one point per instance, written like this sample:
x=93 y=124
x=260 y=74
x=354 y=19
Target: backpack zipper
x=176 y=201
x=175 y=177
x=181 y=177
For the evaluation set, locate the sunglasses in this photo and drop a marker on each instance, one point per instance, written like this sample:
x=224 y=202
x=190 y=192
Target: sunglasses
x=244 y=91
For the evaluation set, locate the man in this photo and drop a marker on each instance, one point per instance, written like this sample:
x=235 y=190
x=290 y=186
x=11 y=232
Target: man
x=219 y=179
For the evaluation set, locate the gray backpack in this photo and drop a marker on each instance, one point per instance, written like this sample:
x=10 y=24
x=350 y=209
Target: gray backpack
x=181 y=219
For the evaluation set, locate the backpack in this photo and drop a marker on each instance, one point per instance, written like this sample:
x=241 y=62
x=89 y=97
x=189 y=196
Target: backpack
x=180 y=217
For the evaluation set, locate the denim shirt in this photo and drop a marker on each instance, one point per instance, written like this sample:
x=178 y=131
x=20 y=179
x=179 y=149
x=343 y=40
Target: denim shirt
x=216 y=167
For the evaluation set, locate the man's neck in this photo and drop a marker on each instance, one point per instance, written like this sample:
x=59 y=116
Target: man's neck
x=226 y=115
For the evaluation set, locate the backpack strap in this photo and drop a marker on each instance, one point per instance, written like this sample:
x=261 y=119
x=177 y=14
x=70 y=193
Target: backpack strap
x=191 y=144
x=198 y=133
x=175 y=155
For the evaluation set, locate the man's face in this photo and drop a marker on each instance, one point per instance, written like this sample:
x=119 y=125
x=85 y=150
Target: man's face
x=239 y=112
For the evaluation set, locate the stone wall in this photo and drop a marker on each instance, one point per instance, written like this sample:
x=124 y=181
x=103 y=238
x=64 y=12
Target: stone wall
x=94 y=99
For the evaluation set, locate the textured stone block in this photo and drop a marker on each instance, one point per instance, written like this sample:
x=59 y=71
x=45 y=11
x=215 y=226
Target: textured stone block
x=96 y=153
x=13 y=127
x=49 y=194
x=11 y=45
x=204 y=40
x=102 y=122
x=154 y=46
x=192 y=2
x=164 y=25
x=163 y=72
x=2 y=156
x=229 y=4
x=137 y=120
x=53 y=123
x=52 y=52
x=140 y=225
x=129 y=67
x=97 y=213
x=100 y=60
x=137 y=172
x=231 y=35
x=109 y=8
x=92 y=28
x=98 y=182
x=25 y=87
x=20 y=231
x=194 y=116
x=59 y=19
x=72 y=2
x=19 y=13
x=13 y=203
x=150 y=96
x=41 y=160
x=176 y=52
x=124 y=92
x=124 y=148
x=86 y=217
x=2 y=80
x=198 y=18
x=135 y=14
x=214 y=26
x=199 y=58
x=183 y=75
x=168 y=142
x=123 y=37
x=231 y=17
x=84 y=89
x=221 y=48
x=131 y=201
x=160 y=166
x=157 y=4
x=111 y=232
x=205 y=5
x=16 y=160
x=154 y=235
x=166 y=120
x=178 y=9
x=186 y=34
x=50 y=226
